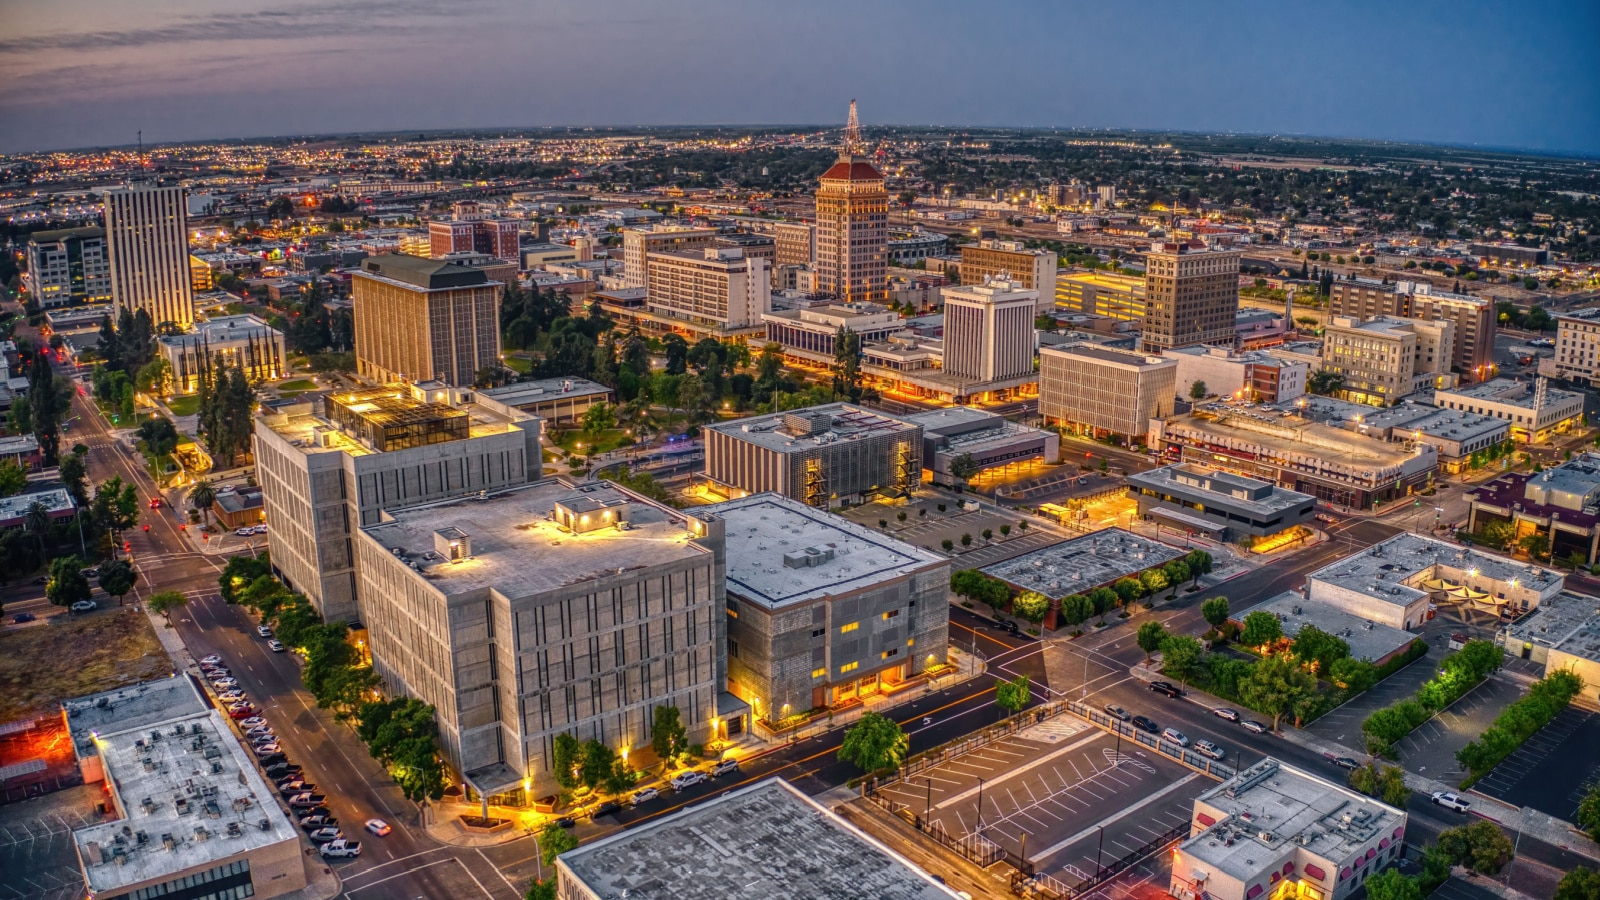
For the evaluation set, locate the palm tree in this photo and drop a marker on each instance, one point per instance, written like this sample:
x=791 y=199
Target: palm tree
x=37 y=521
x=201 y=498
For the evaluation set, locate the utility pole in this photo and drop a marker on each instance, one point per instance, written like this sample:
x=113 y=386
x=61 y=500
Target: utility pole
x=980 y=805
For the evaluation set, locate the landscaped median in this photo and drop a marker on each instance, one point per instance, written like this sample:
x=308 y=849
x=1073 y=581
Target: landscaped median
x=1458 y=674
x=1518 y=722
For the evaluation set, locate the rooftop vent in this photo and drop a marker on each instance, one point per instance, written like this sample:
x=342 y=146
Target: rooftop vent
x=808 y=558
x=452 y=543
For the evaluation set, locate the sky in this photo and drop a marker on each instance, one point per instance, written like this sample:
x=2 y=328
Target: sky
x=76 y=73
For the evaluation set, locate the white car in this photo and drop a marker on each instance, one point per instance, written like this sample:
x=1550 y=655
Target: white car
x=231 y=696
x=1175 y=736
x=223 y=684
x=276 y=646
x=645 y=795
x=260 y=529
x=378 y=827
x=256 y=731
x=1210 y=749
x=243 y=532
x=1449 y=801
x=263 y=631
x=252 y=722
x=211 y=660
x=268 y=748
x=341 y=848
x=687 y=779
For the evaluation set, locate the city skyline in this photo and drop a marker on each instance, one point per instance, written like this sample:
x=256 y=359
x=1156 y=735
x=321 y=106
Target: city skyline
x=1452 y=75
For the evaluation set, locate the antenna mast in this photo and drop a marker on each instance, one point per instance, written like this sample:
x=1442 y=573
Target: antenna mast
x=141 y=149
x=852 y=132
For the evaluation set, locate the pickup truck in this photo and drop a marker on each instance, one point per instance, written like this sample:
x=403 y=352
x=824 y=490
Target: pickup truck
x=341 y=849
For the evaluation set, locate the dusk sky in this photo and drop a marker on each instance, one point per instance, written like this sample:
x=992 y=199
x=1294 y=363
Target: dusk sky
x=79 y=73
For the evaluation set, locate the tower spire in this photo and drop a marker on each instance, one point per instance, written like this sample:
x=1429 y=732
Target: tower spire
x=852 y=132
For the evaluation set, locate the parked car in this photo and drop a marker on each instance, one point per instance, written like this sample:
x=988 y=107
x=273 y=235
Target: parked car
x=292 y=786
x=565 y=822
x=233 y=696
x=1144 y=724
x=1165 y=687
x=687 y=779
x=1345 y=762
x=19 y=618
x=1175 y=736
x=269 y=760
x=1210 y=749
x=378 y=827
x=252 y=722
x=211 y=660
x=282 y=769
x=1117 y=712
x=259 y=529
x=241 y=711
x=313 y=812
x=1253 y=725
x=243 y=532
x=263 y=631
x=1450 y=801
x=724 y=767
x=645 y=795
x=1009 y=626
x=83 y=606
x=276 y=646
x=325 y=834
x=1224 y=713
x=268 y=749
x=312 y=823
x=307 y=800
x=257 y=730
x=341 y=849
x=605 y=809
x=225 y=682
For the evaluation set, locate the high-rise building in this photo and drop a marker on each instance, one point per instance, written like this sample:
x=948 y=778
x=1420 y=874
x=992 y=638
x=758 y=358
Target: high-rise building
x=68 y=266
x=329 y=466
x=796 y=243
x=1099 y=391
x=424 y=320
x=1100 y=294
x=853 y=225
x=1577 y=347
x=1031 y=270
x=639 y=243
x=717 y=290
x=1472 y=353
x=1386 y=357
x=988 y=330
x=1191 y=295
x=469 y=231
x=147 y=239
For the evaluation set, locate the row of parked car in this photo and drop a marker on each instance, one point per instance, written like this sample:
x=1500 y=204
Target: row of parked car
x=680 y=782
x=304 y=801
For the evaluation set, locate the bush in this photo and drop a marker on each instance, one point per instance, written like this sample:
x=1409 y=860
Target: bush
x=1417 y=650
x=1481 y=847
x=1391 y=723
x=1031 y=605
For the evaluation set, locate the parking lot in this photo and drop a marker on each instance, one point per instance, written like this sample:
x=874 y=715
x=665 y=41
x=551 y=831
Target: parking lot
x=1431 y=749
x=37 y=859
x=1047 y=791
x=1554 y=769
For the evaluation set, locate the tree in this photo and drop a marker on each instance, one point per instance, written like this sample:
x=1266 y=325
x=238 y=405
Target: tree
x=13 y=478
x=1318 y=650
x=1012 y=695
x=599 y=417
x=1150 y=636
x=667 y=734
x=1031 y=605
x=1589 y=813
x=167 y=601
x=1182 y=657
x=566 y=757
x=1480 y=846
x=1197 y=391
x=1325 y=383
x=1215 y=611
x=1537 y=545
x=1155 y=581
x=74 y=475
x=201 y=498
x=1274 y=686
x=1582 y=883
x=875 y=742
x=847 y=365
x=554 y=841
x=1128 y=590
x=963 y=467
x=596 y=765
x=1354 y=675
x=159 y=436
x=67 y=584
x=1390 y=884
x=1260 y=628
x=543 y=890
x=117 y=578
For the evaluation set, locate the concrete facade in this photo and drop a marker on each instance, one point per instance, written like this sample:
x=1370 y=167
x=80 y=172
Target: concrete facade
x=716 y=287
x=1385 y=358
x=243 y=342
x=1247 y=375
x=423 y=320
x=1011 y=261
x=147 y=243
x=1191 y=296
x=822 y=456
x=988 y=330
x=1232 y=505
x=1536 y=412
x=1096 y=390
x=989 y=439
x=1471 y=354
x=68 y=266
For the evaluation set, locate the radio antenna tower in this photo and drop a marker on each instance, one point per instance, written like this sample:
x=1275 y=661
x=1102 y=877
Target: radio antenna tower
x=852 y=133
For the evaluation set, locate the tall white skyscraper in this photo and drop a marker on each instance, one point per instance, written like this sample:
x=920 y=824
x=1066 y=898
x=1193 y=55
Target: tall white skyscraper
x=147 y=238
x=988 y=330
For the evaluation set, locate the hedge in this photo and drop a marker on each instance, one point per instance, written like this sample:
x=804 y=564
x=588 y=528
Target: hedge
x=1458 y=673
x=1518 y=722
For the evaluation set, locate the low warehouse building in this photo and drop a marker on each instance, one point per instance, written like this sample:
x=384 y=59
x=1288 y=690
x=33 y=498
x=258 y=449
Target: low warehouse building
x=1220 y=504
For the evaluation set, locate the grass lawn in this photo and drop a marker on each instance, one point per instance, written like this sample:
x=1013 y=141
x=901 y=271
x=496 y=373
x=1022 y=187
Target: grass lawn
x=299 y=384
x=75 y=655
x=519 y=364
x=186 y=405
x=604 y=441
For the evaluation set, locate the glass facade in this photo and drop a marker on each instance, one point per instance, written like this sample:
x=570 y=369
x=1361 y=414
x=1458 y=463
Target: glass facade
x=229 y=881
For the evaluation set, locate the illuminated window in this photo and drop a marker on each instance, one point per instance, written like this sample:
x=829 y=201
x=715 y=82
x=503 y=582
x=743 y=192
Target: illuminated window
x=851 y=627
x=893 y=651
x=890 y=614
x=818 y=673
x=911 y=642
x=849 y=667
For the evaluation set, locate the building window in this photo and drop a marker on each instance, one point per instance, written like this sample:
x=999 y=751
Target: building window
x=818 y=673
x=850 y=627
x=733 y=648
x=849 y=667
x=892 y=651
x=891 y=614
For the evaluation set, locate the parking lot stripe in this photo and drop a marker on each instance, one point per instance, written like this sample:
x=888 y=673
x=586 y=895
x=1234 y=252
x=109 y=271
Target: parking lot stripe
x=1128 y=811
x=1025 y=769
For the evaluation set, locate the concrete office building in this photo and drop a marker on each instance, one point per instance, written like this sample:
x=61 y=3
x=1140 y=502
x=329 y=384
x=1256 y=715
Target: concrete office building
x=1247 y=375
x=714 y=292
x=1454 y=434
x=1191 y=295
x=822 y=456
x=1274 y=831
x=1511 y=255
x=796 y=244
x=771 y=840
x=1394 y=582
x=1562 y=503
x=469 y=231
x=424 y=320
x=639 y=243
x=1564 y=633
x=1118 y=297
x=1577 y=343
x=989 y=439
x=244 y=342
x=147 y=241
x=1030 y=270
x=1080 y=565
x=192 y=816
x=1385 y=358
x=1536 y=412
x=330 y=465
x=67 y=267
x=989 y=334
x=1219 y=504
x=543 y=610
x=853 y=225
x=1100 y=391
x=809 y=333
x=823 y=611
x=1472 y=352
x=557 y=401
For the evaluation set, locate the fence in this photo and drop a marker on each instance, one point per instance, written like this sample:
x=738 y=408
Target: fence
x=973 y=847
x=1024 y=884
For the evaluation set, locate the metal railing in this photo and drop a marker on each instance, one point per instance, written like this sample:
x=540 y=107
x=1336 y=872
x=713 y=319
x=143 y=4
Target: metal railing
x=1173 y=751
x=1024 y=884
x=973 y=847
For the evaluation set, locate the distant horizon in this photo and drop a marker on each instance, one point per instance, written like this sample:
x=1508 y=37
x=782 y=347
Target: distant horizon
x=1474 y=73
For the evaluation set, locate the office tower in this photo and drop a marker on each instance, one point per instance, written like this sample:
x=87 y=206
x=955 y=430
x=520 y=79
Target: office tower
x=147 y=238
x=715 y=290
x=1386 y=357
x=329 y=466
x=1191 y=296
x=68 y=266
x=988 y=330
x=796 y=243
x=1031 y=270
x=469 y=231
x=1473 y=352
x=821 y=455
x=1103 y=392
x=425 y=320
x=639 y=243
x=853 y=225
x=1101 y=294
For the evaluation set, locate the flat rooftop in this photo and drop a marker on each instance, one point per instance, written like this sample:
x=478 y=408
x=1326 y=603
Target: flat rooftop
x=131 y=708
x=191 y=795
x=1234 y=490
x=1295 y=808
x=303 y=421
x=222 y=329
x=545 y=390
x=1293 y=437
x=770 y=538
x=16 y=506
x=1368 y=640
x=1083 y=563
x=1509 y=392
x=1567 y=622
x=1101 y=354
x=831 y=423
x=1441 y=424
x=765 y=840
x=519 y=550
x=1389 y=570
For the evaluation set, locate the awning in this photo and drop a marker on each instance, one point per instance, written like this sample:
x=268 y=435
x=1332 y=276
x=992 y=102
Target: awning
x=493 y=779
x=729 y=706
x=1186 y=518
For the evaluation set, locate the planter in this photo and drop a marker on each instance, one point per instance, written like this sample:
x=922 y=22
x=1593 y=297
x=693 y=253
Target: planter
x=480 y=825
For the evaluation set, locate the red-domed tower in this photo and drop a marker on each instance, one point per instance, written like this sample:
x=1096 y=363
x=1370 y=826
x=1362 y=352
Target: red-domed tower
x=853 y=225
